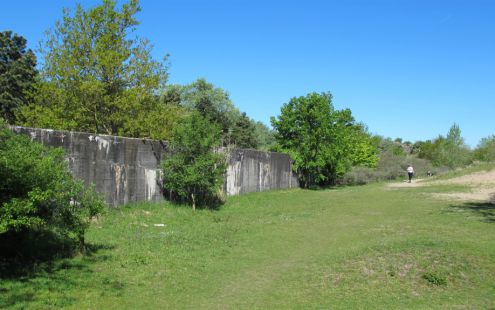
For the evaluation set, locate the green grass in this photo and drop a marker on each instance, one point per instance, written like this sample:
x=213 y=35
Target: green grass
x=364 y=247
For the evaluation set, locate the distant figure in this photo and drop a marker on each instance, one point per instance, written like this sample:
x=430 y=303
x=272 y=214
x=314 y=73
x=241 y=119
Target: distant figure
x=429 y=173
x=410 y=172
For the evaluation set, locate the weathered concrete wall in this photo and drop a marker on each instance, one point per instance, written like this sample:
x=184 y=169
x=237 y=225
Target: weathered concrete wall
x=128 y=170
x=123 y=169
x=255 y=171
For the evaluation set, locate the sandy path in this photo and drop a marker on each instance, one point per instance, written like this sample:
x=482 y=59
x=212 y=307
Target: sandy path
x=482 y=186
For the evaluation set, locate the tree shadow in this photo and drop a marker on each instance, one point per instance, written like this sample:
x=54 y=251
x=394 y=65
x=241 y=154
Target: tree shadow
x=37 y=260
x=486 y=210
x=27 y=254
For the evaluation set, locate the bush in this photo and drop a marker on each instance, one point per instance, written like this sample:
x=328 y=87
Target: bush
x=38 y=194
x=485 y=151
x=390 y=167
x=193 y=172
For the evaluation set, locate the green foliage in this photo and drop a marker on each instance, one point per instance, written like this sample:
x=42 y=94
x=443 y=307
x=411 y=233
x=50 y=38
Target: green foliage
x=38 y=193
x=386 y=145
x=390 y=167
x=244 y=133
x=193 y=172
x=265 y=137
x=323 y=142
x=485 y=151
x=96 y=77
x=434 y=278
x=449 y=151
x=214 y=104
x=17 y=74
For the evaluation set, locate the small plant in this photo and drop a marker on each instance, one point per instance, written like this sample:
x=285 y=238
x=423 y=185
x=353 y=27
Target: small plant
x=434 y=279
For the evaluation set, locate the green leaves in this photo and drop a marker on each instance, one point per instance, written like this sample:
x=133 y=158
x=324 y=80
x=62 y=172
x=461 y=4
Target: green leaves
x=17 y=74
x=96 y=77
x=449 y=151
x=323 y=142
x=193 y=172
x=37 y=191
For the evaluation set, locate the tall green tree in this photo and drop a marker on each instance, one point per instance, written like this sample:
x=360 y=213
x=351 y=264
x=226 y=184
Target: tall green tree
x=447 y=151
x=323 y=142
x=194 y=171
x=97 y=76
x=244 y=133
x=17 y=74
x=454 y=152
x=214 y=104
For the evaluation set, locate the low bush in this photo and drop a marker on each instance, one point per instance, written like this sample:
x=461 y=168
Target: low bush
x=390 y=167
x=38 y=196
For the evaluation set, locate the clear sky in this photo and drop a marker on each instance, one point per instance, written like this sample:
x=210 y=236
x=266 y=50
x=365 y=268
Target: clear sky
x=406 y=68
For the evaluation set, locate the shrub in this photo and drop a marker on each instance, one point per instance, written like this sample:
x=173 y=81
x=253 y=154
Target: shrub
x=390 y=167
x=38 y=194
x=485 y=151
x=434 y=278
x=193 y=172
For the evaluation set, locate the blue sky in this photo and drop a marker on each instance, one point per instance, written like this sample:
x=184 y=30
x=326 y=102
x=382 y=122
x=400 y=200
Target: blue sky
x=406 y=68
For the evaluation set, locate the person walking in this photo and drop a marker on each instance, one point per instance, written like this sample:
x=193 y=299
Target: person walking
x=410 y=172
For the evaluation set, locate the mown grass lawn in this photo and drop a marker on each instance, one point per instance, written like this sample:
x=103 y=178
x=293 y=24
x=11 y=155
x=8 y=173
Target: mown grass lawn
x=363 y=247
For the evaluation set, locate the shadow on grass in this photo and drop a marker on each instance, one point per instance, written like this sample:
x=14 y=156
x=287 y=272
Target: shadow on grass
x=36 y=263
x=25 y=255
x=486 y=210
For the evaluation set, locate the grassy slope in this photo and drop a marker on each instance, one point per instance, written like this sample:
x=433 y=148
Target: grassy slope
x=360 y=247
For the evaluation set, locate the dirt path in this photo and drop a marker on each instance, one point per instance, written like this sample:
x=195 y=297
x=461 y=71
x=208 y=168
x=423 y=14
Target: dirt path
x=482 y=186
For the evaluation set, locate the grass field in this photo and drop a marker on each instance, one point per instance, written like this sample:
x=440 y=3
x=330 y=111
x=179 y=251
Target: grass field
x=368 y=247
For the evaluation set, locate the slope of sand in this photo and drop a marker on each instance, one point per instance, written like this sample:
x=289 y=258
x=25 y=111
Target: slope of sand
x=482 y=186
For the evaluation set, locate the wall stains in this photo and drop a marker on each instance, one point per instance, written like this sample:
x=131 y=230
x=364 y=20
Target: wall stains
x=127 y=170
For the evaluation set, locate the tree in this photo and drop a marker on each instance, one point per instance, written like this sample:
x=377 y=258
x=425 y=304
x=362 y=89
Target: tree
x=244 y=133
x=212 y=103
x=447 y=151
x=193 y=172
x=323 y=142
x=38 y=194
x=17 y=74
x=451 y=151
x=485 y=151
x=96 y=76
x=265 y=137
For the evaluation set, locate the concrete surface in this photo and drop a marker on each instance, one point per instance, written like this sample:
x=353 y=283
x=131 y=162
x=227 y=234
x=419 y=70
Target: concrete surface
x=127 y=170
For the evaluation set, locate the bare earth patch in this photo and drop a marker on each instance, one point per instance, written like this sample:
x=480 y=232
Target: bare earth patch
x=482 y=186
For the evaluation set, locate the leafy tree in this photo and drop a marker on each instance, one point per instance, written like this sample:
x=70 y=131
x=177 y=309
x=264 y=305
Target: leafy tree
x=38 y=194
x=212 y=103
x=449 y=151
x=96 y=76
x=265 y=137
x=323 y=142
x=394 y=147
x=485 y=151
x=172 y=95
x=194 y=171
x=17 y=74
x=244 y=133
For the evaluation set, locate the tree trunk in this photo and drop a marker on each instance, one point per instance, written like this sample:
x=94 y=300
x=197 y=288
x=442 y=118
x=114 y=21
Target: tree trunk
x=193 y=202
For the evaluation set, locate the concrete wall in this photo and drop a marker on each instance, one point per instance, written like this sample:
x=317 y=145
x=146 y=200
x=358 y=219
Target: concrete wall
x=254 y=171
x=128 y=170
